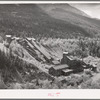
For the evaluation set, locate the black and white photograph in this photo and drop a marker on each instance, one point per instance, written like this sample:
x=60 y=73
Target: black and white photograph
x=50 y=46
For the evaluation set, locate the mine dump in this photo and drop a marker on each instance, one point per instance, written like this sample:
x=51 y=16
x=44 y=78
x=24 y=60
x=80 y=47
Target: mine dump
x=27 y=63
x=50 y=46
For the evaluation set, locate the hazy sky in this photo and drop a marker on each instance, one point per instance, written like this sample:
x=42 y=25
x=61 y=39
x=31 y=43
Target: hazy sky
x=91 y=9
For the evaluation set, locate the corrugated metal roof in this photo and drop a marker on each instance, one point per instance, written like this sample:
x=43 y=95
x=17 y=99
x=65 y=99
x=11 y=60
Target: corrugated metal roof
x=61 y=66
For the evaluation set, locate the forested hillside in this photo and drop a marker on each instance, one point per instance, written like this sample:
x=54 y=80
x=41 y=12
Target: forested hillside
x=62 y=21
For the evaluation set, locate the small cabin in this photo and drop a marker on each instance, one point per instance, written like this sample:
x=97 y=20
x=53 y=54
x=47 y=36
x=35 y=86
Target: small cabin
x=56 y=62
x=67 y=72
x=57 y=70
x=8 y=38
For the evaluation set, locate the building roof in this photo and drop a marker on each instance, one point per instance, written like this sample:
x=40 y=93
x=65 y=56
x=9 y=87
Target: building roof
x=65 y=52
x=73 y=58
x=67 y=70
x=8 y=35
x=55 y=62
x=30 y=38
x=61 y=66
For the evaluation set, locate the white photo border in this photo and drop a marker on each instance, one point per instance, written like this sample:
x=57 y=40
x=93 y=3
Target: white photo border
x=44 y=93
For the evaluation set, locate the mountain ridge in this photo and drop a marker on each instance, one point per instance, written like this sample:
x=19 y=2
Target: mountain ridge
x=41 y=20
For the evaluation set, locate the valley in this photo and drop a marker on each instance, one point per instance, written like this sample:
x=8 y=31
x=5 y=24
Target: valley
x=48 y=46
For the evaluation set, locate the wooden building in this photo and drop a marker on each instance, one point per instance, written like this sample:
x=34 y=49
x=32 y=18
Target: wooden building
x=66 y=72
x=72 y=62
x=8 y=38
x=65 y=59
x=57 y=70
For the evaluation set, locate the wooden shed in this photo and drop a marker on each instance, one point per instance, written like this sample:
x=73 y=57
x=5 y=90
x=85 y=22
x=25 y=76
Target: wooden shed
x=66 y=72
x=8 y=38
x=57 y=70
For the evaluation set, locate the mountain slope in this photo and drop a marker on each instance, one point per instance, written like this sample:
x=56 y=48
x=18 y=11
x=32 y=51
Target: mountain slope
x=73 y=16
x=46 y=21
x=62 y=8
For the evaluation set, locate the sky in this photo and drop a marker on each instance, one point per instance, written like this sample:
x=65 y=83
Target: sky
x=92 y=9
